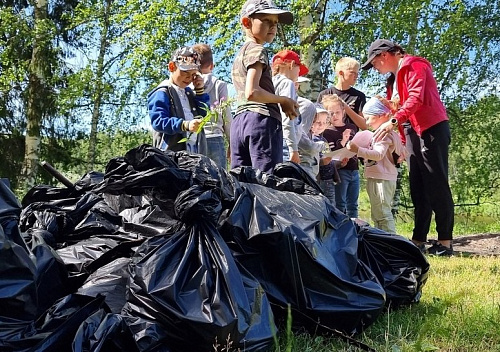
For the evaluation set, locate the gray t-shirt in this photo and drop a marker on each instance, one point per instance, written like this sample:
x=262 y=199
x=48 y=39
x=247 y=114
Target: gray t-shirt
x=249 y=54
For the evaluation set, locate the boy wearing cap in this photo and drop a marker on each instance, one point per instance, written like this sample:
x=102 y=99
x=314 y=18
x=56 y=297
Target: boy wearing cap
x=427 y=139
x=256 y=130
x=218 y=93
x=175 y=109
x=287 y=68
x=347 y=70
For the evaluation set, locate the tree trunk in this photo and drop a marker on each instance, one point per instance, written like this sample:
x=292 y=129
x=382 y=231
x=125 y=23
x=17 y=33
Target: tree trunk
x=35 y=97
x=309 y=55
x=99 y=86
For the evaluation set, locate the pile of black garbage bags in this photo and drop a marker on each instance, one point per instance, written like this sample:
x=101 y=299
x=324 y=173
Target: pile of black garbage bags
x=168 y=252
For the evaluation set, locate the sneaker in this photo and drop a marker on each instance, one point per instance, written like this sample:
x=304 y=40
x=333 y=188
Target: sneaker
x=439 y=250
x=422 y=248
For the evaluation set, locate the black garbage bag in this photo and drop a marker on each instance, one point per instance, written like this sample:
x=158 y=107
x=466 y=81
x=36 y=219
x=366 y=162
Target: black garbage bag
x=248 y=174
x=186 y=291
x=304 y=254
x=18 y=292
x=104 y=332
x=290 y=169
x=398 y=264
x=56 y=328
x=109 y=281
x=51 y=275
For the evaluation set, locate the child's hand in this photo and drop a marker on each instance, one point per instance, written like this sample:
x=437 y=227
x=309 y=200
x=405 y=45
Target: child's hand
x=343 y=162
x=197 y=80
x=290 y=107
x=194 y=125
x=294 y=156
x=352 y=147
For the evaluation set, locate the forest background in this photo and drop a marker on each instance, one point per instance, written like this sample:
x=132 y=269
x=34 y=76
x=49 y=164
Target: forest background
x=74 y=74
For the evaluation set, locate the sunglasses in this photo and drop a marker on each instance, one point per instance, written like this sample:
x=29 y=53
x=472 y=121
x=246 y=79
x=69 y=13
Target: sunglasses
x=190 y=60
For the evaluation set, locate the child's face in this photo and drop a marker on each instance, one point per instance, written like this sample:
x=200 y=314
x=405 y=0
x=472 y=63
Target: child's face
x=320 y=123
x=183 y=79
x=262 y=27
x=336 y=112
x=350 y=75
x=374 y=121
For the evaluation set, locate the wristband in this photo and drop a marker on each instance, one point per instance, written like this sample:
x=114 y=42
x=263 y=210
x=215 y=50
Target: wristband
x=185 y=126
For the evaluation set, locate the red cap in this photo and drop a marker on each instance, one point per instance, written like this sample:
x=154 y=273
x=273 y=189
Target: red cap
x=287 y=56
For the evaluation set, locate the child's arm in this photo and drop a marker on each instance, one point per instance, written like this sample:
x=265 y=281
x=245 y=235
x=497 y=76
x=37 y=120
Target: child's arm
x=159 y=112
x=254 y=92
x=378 y=151
x=358 y=119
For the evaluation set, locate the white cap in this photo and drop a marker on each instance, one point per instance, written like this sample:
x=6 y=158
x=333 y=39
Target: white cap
x=303 y=79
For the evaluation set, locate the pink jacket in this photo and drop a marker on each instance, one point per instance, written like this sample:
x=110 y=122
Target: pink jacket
x=419 y=96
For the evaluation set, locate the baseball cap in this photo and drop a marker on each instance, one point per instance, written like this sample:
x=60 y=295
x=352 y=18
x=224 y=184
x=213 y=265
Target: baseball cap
x=186 y=58
x=268 y=7
x=289 y=55
x=302 y=79
x=377 y=47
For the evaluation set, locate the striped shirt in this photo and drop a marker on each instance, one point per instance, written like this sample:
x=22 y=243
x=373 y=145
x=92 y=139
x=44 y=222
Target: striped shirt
x=249 y=54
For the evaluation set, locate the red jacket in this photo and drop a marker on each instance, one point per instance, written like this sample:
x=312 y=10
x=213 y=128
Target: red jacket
x=419 y=97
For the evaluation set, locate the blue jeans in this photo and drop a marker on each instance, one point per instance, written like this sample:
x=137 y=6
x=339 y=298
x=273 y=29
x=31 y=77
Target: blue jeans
x=216 y=151
x=328 y=187
x=347 y=192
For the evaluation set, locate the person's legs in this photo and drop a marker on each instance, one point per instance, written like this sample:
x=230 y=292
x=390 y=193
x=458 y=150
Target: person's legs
x=240 y=155
x=328 y=188
x=422 y=209
x=216 y=150
x=435 y=157
x=381 y=193
x=352 y=194
x=341 y=190
x=265 y=142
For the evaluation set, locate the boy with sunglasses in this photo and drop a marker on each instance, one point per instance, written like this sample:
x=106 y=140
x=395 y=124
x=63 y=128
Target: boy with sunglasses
x=175 y=110
x=256 y=130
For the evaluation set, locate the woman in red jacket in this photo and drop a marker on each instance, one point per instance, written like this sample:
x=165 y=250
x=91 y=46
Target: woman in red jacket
x=425 y=129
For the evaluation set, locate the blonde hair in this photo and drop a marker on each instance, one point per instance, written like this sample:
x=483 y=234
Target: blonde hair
x=330 y=99
x=346 y=63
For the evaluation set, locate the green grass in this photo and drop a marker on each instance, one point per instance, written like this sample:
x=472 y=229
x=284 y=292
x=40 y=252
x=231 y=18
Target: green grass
x=459 y=311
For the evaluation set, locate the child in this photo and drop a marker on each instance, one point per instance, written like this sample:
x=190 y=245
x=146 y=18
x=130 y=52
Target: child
x=174 y=108
x=347 y=70
x=327 y=176
x=308 y=149
x=347 y=190
x=256 y=130
x=217 y=90
x=286 y=70
x=380 y=169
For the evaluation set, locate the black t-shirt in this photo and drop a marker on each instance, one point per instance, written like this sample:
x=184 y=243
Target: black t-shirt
x=334 y=137
x=353 y=97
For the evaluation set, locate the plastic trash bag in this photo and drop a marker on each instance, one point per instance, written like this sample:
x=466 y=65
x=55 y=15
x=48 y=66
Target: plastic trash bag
x=186 y=291
x=398 y=264
x=304 y=253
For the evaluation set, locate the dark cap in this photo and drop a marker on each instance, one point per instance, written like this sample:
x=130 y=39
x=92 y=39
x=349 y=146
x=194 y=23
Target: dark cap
x=377 y=47
x=186 y=59
x=252 y=7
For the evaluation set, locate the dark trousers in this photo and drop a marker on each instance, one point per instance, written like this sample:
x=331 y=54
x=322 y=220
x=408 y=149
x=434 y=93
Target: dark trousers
x=429 y=187
x=257 y=141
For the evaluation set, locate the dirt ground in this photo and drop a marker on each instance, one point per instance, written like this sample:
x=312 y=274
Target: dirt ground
x=479 y=244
